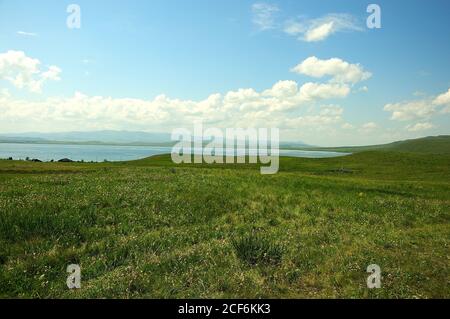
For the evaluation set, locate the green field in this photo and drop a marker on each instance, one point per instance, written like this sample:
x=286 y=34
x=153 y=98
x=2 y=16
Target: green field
x=150 y=229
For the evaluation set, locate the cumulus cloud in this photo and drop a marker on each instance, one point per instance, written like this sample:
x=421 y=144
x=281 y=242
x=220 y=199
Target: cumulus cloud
x=419 y=127
x=339 y=70
x=310 y=91
x=332 y=110
x=286 y=104
x=411 y=110
x=419 y=109
x=24 y=72
x=283 y=89
x=327 y=116
x=245 y=107
x=443 y=100
x=52 y=73
x=263 y=15
x=313 y=30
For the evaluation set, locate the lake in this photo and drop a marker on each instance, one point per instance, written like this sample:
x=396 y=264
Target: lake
x=99 y=153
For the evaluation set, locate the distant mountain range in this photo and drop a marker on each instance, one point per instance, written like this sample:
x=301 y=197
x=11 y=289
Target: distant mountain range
x=104 y=137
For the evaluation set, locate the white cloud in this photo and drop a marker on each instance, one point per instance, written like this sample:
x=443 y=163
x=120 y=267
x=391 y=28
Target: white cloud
x=313 y=30
x=4 y=93
x=309 y=30
x=420 y=127
x=310 y=91
x=443 y=99
x=287 y=104
x=347 y=126
x=242 y=107
x=339 y=70
x=283 y=89
x=411 y=110
x=52 y=73
x=263 y=15
x=331 y=110
x=27 y=34
x=24 y=72
x=369 y=126
x=328 y=115
x=320 y=32
x=419 y=109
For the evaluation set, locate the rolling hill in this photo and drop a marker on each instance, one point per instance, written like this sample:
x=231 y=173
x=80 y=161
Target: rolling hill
x=426 y=145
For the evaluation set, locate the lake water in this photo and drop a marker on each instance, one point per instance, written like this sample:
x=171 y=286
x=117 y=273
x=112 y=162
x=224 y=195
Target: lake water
x=98 y=153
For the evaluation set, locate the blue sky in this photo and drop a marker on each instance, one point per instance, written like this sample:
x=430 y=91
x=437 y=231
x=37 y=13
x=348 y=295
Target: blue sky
x=127 y=54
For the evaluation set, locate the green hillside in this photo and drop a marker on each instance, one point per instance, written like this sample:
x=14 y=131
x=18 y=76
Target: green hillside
x=153 y=229
x=428 y=145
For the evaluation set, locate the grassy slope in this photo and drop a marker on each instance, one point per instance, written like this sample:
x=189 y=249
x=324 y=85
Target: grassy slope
x=426 y=145
x=147 y=229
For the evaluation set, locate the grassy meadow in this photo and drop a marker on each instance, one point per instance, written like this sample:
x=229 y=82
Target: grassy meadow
x=152 y=229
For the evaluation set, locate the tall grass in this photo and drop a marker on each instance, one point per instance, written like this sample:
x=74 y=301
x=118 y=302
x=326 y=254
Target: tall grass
x=257 y=249
x=149 y=229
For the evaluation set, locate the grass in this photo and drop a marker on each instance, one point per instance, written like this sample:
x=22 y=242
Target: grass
x=151 y=229
x=256 y=249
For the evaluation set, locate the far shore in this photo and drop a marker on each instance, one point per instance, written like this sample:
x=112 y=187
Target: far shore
x=45 y=142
